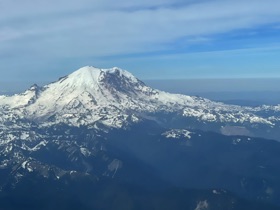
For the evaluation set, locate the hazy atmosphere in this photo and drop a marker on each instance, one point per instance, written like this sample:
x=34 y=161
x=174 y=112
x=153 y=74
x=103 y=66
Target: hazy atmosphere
x=41 y=41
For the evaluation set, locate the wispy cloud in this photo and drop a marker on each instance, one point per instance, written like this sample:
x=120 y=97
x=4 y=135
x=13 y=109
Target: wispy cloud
x=57 y=29
x=106 y=28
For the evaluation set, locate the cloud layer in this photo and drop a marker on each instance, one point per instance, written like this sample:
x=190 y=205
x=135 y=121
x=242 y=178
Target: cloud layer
x=47 y=31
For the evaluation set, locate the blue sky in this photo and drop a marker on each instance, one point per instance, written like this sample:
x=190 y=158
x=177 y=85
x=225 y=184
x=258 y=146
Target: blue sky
x=160 y=39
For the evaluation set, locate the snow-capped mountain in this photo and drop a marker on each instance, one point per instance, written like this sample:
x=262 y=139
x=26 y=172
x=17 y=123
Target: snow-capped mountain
x=97 y=123
x=115 y=98
x=89 y=95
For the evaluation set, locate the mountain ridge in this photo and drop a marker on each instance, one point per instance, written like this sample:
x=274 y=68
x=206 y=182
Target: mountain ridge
x=115 y=98
x=90 y=126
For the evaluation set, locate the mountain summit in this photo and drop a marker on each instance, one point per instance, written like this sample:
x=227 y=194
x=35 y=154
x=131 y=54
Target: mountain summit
x=91 y=78
x=115 y=98
x=87 y=88
x=93 y=94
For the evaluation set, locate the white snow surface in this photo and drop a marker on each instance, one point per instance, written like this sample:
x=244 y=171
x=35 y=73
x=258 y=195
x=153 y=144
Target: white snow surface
x=114 y=97
x=177 y=133
x=202 y=205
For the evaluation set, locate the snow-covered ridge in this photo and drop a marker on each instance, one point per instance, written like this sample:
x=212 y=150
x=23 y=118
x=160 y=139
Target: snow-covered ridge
x=115 y=98
x=89 y=76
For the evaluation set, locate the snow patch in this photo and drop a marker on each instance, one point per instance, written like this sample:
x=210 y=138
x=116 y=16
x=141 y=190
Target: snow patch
x=23 y=165
x=178 y=133
x=201 y=205
x=216 y=192
x=85 y=151
x=236 y=141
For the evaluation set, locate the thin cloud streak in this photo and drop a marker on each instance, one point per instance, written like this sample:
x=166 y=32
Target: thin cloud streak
x=117 y=31
x=56 y=31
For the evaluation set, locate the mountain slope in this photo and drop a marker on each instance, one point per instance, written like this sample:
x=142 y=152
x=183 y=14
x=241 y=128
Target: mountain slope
x=145 y=156
x=105 y=124
x=115 y=98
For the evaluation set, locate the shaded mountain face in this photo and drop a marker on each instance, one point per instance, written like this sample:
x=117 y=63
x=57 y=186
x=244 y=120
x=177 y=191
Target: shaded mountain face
x=104 y=127
x=146 y=162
